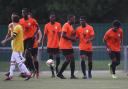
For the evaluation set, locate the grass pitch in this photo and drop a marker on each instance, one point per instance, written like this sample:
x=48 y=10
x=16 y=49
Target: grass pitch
x=100 y=80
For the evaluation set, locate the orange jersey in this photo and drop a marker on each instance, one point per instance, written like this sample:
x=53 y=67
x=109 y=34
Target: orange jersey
x=29 y=27
x=52 y=32
x=64 y=43
x=113 y=39
x=84 y=33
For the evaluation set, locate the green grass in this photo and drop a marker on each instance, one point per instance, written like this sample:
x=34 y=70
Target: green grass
x=97 y=65
x=101 y=80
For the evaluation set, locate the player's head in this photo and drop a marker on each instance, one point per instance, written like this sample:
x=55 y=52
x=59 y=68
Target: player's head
x=15 y=18
x=25 y=13
x=116 y=24
x=52 y=18
x=29 y=14
x=71 y=19
x=13 y=14
x=83 y=21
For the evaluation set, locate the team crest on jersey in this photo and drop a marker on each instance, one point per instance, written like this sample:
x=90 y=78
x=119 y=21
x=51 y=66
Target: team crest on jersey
x=55 y=27
x=119 y=35
x=86 y=31
x=29 y=24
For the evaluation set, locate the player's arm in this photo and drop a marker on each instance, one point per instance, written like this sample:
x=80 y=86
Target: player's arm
x=40 y=36
x=9 y=31
x=9 y=38
x=73 y=38
x=37 y=27
x=105 y=41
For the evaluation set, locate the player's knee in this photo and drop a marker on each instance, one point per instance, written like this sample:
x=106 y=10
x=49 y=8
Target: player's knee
x=67 y=60
x=20 y=64
x=82 y=57
x=118 y=62
x=12 y=62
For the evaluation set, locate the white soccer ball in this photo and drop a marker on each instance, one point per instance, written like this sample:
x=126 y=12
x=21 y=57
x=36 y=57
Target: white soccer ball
x=50 y=62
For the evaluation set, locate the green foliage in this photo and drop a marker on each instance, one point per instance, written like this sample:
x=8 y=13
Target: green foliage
x=94 y=10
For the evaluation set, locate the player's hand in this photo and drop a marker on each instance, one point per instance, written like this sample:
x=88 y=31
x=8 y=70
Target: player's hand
x=108 y=49
x=39 y=41
x=3 y=42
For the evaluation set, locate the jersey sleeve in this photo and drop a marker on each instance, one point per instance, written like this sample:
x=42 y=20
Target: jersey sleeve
x=45 y=29
x=121 y=33
x=16 y=30
x=65 y=28
x=92 y=33
x=106 y=36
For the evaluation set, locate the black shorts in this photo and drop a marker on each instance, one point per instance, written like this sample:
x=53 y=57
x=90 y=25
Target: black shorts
x=87 y=53
x=34 y=51
x=28 y=43
x=66 y=52
x=114 y=54
x=53 y=50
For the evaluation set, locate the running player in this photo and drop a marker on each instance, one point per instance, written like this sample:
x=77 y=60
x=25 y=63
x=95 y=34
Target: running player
x=17 y=48
x=113 y=39
x=85 y=34
x=66 y=40
x=52 y=32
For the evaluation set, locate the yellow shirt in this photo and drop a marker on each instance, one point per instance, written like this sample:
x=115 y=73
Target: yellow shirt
x=17 y=42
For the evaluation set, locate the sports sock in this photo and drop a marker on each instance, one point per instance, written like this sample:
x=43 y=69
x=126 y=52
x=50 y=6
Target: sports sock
x=52 y=70
x=57 y=63
x=83 y=67
x=36 y=63
x=23 y=67
x=65 y=64
x=113 y=66
x=12 y=68
x=72 y=66
x=89 y=67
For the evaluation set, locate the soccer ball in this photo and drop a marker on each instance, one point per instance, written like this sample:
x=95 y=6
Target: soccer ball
x=50 y=62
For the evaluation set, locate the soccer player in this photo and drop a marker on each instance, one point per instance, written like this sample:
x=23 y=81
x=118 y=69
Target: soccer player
x=85 y=34
x=17 y=49
x=66 y=40
x=30 y=28
x=113 y=39
x=34 y=52
x=10 y=30
x=52 y=31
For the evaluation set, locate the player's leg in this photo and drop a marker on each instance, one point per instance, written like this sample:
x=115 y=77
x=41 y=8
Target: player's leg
x=28 y=45
x=35 y=61
x=83 y=64
x=89 y=54
x=51 y=67
x=57 y=62
x=118 y=56
x=72 y=66
x=22 y=66
x=64 y=65
x=113 y=63
x=117 y=59
x=12 y=67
